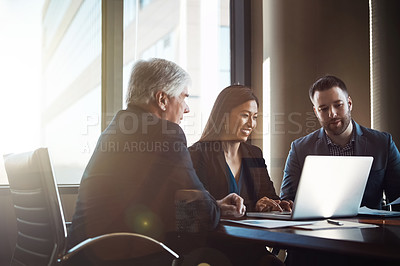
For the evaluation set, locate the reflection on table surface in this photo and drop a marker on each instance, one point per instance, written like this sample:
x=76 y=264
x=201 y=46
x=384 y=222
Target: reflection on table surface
x=382 y=241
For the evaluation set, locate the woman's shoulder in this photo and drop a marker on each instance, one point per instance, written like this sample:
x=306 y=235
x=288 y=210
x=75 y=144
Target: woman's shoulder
x=206 y=147
x=254 y=150
x=251 y=147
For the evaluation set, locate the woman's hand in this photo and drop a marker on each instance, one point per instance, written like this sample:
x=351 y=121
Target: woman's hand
x=232 y=206
x=266 y=205
x=286 y=205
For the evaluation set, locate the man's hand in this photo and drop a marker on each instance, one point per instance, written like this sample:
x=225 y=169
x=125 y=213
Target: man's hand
x=232 y=206
x=266 y=205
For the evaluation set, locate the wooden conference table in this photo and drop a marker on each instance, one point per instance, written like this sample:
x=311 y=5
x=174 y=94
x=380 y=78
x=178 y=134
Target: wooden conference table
x=380 y=243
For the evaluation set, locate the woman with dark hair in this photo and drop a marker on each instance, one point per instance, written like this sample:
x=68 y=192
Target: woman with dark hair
x=223 y=160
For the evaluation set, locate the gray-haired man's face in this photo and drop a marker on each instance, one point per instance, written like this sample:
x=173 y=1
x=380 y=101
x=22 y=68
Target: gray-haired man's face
x=177 y=106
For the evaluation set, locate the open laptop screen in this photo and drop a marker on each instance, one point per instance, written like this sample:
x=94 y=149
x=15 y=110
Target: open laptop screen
x=330 y=186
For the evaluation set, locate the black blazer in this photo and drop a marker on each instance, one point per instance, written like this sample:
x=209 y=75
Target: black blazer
x=139 y=163
x=209 y=161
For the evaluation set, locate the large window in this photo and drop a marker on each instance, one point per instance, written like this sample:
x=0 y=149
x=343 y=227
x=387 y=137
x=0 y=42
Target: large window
x=71 y=88
x=193 y=33
x=20 y=68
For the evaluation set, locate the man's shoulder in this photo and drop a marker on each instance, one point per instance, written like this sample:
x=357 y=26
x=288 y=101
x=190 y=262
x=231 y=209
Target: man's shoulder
x=136 y=120
x=370 y=133
x=309 y=138
x=373 y=132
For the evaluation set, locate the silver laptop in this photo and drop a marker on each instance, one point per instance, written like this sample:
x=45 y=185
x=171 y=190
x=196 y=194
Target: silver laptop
x=330 y=186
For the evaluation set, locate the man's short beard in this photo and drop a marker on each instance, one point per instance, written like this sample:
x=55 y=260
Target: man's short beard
x=346 y=121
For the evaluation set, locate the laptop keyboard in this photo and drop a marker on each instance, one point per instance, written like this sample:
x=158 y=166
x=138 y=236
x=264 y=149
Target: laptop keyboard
x=282 y=213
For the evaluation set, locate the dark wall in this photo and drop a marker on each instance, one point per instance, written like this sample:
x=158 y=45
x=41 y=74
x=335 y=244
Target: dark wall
x=304 y=40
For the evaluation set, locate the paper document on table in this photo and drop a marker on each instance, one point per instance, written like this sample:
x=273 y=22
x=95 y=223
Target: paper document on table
x=269 y=224
x=367 y=211
x=394 y=202
x=324 y=224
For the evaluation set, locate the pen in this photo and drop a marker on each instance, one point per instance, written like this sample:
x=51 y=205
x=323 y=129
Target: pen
x=334 y=222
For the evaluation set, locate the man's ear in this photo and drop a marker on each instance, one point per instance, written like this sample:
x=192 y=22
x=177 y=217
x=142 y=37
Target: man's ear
x=161 y=100
x=350 y=103
x=315 y=111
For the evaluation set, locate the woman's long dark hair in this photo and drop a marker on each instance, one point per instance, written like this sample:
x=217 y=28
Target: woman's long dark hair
x=229 y=98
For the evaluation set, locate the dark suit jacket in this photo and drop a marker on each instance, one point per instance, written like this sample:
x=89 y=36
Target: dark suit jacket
x=209 y=161
x=385 y=171
x=130 y=182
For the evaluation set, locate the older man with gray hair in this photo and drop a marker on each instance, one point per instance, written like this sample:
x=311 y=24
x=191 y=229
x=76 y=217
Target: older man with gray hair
x=141 y=163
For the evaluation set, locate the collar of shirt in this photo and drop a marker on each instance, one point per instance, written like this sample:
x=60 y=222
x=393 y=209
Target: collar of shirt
x=336 y=150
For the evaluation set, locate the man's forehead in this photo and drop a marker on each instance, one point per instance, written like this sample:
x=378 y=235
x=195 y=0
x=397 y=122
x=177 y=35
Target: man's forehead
x=332 y=95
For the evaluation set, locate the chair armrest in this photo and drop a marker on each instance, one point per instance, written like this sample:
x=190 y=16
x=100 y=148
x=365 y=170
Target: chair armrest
x=91 y=241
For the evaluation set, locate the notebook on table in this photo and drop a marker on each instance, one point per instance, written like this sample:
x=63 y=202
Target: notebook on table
x=330 y=186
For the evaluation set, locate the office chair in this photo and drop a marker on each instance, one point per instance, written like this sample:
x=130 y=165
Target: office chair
x=41 y=228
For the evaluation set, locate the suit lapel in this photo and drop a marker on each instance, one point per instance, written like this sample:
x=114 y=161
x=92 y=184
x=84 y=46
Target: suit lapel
x=360 y=143
x=320 y=147
x=360 y=147
x=222 y=165
x=250 y=173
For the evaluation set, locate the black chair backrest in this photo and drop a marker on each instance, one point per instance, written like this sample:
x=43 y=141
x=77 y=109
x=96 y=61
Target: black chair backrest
x=40 y=221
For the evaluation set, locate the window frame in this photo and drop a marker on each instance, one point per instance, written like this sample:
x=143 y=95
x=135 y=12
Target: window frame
x=240 y=26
